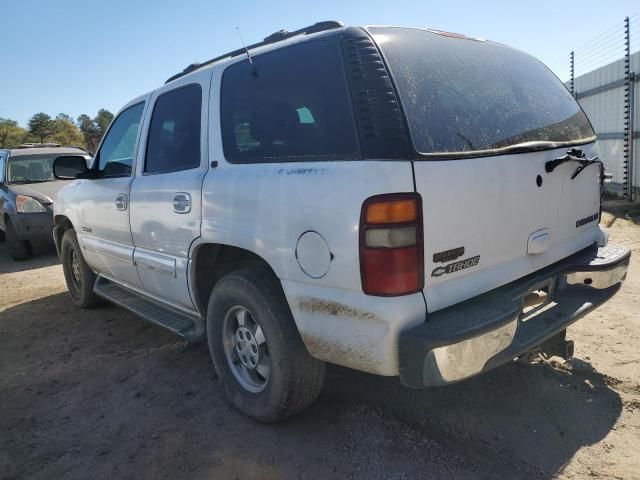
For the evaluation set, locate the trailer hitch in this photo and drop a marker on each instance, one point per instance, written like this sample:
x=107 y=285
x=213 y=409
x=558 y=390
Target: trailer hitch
x=556 y=346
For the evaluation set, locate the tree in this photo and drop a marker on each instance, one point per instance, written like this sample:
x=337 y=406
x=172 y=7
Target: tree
x=93 y=129
x=41 y=126
x=11 y=135
x=90 y=132
x=66 y=132
x=103 y=120
x=64 y=116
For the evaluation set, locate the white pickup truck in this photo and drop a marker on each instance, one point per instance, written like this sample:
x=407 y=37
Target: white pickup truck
x=404 y=202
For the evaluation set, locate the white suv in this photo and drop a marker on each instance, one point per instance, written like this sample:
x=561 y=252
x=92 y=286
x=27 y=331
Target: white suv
x=404 y=202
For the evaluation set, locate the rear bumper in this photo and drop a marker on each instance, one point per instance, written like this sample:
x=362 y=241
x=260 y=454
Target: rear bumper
x=482 y=333
x=34 y=227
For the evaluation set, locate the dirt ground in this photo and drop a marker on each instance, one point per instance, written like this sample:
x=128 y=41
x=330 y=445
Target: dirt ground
x=103 y=394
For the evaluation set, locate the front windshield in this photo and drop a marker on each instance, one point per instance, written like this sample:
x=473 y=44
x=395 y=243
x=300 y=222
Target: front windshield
x=464 y=96
x=31 y=168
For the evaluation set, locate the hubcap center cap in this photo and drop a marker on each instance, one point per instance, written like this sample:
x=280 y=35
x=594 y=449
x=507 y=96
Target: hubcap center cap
x=75 y=267
x=247 y=347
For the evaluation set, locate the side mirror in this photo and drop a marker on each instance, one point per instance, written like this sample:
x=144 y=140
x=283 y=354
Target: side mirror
x=69 y=167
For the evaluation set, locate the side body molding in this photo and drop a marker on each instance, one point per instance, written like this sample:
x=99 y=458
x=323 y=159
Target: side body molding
x=106 y=247
x=154 y=261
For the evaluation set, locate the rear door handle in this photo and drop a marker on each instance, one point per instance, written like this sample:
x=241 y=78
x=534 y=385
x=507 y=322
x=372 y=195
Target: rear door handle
x=182 y=202
x=121 y=202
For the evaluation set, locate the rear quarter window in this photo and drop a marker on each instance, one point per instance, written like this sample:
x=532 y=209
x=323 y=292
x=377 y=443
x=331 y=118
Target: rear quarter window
x=293 y=104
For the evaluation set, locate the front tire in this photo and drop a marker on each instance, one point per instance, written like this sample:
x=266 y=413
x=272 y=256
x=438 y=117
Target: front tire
x=265 y=369
x=18 y=249
x=79 y=277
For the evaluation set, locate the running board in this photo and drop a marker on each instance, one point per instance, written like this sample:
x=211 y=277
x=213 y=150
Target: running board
x=178 y=322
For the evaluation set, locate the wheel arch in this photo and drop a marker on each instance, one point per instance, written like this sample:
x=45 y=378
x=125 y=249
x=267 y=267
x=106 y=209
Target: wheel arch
x=61 y=224
x=212 y=261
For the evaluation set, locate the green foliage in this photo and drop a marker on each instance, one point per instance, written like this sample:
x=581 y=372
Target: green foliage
x=93 y=129
x=11 y=135
x=103 y=120
x=64 y=116
x=41 y=126
x=66 y=132
x=90 y=132
x=86 y=132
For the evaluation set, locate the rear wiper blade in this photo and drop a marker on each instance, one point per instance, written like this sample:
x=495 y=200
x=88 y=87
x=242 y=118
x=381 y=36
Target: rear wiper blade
x=573 y=155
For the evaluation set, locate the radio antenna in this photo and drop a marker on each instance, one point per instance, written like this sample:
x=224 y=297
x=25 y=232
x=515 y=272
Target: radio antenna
x=254 y=71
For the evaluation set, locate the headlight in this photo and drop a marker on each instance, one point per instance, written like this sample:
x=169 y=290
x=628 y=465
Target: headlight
x=26 y=204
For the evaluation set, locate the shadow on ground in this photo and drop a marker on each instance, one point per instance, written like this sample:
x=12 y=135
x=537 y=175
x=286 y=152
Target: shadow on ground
x=102 y=394
x=536 y=414
x=43 y=256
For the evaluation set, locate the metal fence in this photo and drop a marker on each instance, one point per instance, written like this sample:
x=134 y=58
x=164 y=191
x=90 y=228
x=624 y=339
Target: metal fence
x=601 y=74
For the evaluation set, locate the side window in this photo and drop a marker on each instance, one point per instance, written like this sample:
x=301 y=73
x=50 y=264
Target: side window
x=174 y=133
x=294 y=105
x=118 y=148
x=2 y=167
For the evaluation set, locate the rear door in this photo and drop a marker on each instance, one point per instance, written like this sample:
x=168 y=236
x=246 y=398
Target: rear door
x=166 y=195
x=484 y=120
x=483 y=229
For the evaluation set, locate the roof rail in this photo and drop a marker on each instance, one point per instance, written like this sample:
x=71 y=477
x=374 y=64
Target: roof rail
x=273 y=38
x=39 y=145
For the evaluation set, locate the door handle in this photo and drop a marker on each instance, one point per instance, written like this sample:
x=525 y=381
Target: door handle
x=121 y=202
x=182 y=202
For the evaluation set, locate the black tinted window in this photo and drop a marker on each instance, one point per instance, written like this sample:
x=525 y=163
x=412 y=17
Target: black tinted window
x=2 y=155
x=118 y=147
x=174 y=133
x=463 y=95
x=294 y=104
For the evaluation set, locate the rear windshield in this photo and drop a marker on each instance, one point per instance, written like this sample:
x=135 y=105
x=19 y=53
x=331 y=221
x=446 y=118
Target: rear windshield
x=471 y=96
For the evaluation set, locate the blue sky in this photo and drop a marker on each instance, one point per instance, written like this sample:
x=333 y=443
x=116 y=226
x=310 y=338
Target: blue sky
x=76 y=56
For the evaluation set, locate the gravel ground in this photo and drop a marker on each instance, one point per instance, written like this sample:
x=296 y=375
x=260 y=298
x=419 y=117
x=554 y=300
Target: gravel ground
x=102 y=394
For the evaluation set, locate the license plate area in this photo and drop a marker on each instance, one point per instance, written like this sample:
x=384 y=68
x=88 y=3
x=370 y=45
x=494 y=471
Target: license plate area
x=538 y=299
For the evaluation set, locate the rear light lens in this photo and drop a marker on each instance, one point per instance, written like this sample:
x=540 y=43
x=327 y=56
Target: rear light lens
x=393 y=211
x=391 y=247
x=390 y=237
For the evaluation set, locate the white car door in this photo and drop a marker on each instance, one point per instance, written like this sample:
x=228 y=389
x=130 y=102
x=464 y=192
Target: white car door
x=166 y=193
x=102 y=202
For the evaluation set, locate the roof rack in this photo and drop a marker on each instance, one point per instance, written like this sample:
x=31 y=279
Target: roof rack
x=273 y=38
x=39 y=145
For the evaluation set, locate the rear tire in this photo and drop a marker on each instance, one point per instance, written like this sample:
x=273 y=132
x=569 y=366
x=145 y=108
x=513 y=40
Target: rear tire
x=18 y=249
x=79 y=277
x=265 y=369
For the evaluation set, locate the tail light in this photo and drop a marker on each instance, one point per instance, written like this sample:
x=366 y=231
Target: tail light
x=391 y=247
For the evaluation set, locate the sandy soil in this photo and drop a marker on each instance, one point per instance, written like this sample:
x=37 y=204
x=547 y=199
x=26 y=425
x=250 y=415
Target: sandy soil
x=102 y=394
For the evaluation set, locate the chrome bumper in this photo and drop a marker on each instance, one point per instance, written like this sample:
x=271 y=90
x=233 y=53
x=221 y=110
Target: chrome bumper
x=482 y=333
x=599 y=279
